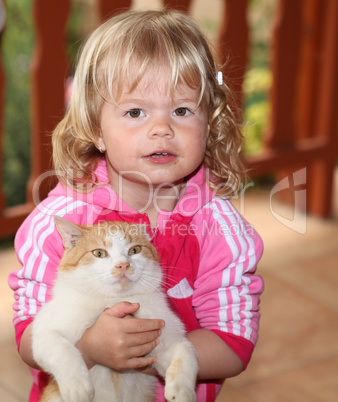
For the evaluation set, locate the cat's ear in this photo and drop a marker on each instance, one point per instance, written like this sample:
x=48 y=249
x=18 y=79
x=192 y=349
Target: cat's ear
x=69 y=232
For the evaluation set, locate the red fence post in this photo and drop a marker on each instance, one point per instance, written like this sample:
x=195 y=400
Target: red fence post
x=48 y=76
x=285 y=49
x=321 y=185
x=282 y=131
x=181 y=5
x=233 y=48
x=108 y=8
x=308 y=69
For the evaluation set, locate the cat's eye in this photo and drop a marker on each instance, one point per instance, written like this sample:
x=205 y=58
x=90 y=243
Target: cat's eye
x=134 y=250
x=99 y=253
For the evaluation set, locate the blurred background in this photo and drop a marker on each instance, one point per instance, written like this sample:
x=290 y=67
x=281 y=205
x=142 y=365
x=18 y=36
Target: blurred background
x=281 y=62
x=18 y=50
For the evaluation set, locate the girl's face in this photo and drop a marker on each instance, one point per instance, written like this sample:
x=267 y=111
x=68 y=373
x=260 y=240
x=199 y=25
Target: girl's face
x=151 y=137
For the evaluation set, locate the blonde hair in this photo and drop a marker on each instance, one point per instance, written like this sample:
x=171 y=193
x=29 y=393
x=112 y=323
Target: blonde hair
x=166 y=37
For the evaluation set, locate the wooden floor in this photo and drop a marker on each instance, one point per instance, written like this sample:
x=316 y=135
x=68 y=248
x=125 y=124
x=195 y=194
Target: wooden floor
x=296 y=359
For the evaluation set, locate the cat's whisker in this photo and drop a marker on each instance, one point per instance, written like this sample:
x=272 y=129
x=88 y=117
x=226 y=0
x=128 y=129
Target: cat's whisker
x=154 y=284
x=166 y=268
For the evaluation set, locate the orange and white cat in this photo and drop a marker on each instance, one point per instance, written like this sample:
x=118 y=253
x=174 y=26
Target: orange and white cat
x=89 y=280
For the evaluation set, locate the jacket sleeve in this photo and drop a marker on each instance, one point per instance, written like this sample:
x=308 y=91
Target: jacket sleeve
x=39 y=249
x=227 y=291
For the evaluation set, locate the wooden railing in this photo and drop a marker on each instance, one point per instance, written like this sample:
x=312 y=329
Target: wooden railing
x=304 y=99
x=302 y=132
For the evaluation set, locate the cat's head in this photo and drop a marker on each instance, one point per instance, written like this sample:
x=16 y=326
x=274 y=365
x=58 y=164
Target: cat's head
x=113 y=256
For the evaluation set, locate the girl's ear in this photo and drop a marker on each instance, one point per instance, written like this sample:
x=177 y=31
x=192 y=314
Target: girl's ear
x=69 y=232
x=100 y=145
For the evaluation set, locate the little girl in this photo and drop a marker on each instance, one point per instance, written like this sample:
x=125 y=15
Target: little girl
x=149 y=137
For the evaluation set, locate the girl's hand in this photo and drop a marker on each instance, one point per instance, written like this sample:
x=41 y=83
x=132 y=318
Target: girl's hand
x=120 y=341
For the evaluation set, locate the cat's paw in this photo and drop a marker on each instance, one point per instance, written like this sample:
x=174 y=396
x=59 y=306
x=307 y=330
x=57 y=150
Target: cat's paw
x=77 y=390
x=175 y=393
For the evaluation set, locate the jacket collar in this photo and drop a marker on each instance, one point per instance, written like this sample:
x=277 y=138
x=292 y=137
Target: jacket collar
x=196 y=195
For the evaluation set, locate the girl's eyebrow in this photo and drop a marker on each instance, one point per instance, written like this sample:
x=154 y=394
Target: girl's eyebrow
x=185 y=100
x=142 y=102
x=128 y=101
x=131 y=104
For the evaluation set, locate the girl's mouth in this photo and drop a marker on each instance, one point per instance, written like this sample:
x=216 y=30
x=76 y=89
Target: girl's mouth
x=160 y=157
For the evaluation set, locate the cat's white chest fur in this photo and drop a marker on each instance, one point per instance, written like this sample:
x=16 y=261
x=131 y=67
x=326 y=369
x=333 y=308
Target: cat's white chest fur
x=104 y=265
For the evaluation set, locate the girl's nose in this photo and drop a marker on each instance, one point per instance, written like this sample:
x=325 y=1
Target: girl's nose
x=161 y=127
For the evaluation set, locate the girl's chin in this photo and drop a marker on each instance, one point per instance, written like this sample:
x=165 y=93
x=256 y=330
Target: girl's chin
x=155 y=175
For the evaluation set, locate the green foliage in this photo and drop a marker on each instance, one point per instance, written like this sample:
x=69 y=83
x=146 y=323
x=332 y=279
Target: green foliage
x=17 y=51
x=77 y=29
x=256 y=113
x=258 y=79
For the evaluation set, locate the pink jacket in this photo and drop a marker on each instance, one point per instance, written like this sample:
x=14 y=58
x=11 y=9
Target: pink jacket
x=208 y=252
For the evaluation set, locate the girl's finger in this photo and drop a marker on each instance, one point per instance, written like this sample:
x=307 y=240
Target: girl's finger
x=142 y=350
x=141 y=362
x=138 y=325
x=142 y=338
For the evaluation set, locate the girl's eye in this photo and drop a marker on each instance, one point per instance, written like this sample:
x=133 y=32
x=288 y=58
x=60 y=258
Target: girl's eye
x=182 y=111
x=135 y=113
x=134 y=250
x=99 y=253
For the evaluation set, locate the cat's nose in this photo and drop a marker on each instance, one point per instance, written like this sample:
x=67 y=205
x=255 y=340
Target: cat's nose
x=123 y=266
